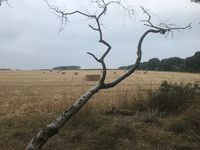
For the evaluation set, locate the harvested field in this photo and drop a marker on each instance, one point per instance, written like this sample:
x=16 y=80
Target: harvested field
x=31 y=99
x=24 y=92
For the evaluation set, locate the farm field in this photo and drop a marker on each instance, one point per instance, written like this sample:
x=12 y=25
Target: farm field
x=30 y=99
x=24 y=92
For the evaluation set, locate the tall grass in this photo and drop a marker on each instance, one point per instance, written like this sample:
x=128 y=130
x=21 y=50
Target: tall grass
x=145 y=115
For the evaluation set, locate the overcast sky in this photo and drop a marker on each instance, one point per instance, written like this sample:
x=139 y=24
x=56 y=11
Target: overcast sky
x=29 y=34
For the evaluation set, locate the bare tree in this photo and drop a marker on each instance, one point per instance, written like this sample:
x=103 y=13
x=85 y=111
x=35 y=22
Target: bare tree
x=53 y=128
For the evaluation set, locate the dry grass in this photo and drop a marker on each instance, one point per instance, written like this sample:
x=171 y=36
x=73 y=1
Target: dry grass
x=30 y=99
x=24 y=92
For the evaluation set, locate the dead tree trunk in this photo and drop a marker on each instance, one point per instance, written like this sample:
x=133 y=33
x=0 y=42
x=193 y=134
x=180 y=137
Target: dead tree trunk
x=53 y=128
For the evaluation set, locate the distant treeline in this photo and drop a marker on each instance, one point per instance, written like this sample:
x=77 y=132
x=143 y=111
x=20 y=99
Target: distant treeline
x=189 y=64
x=67 y=68
x=4 y=69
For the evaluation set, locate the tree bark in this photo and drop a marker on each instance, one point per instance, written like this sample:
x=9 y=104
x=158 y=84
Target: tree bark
x=53 y=128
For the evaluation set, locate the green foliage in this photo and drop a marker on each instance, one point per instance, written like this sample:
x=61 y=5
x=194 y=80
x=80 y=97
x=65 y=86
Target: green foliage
x=171 y=64
x=67 y=68
x=152 y=64
x=173 y=97
x=190 y=64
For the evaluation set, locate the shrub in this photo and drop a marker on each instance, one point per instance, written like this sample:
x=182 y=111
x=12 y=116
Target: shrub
x=173 y=97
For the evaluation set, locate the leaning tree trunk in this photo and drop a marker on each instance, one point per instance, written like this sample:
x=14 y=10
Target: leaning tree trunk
x=53 y=128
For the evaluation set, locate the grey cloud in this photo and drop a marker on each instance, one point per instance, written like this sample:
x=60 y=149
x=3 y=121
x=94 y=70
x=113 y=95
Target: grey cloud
x=29 y=38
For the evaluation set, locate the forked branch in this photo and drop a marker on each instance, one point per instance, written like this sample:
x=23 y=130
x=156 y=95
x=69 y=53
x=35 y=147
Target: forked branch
x=155 y=29
x=163 y=27
x=53 y=128
x=103 y=5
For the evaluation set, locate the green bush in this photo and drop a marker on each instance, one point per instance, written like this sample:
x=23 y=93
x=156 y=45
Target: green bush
x=173 y=97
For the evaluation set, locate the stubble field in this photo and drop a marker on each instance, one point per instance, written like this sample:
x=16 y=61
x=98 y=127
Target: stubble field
x=31 y=99
x=24 y=92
